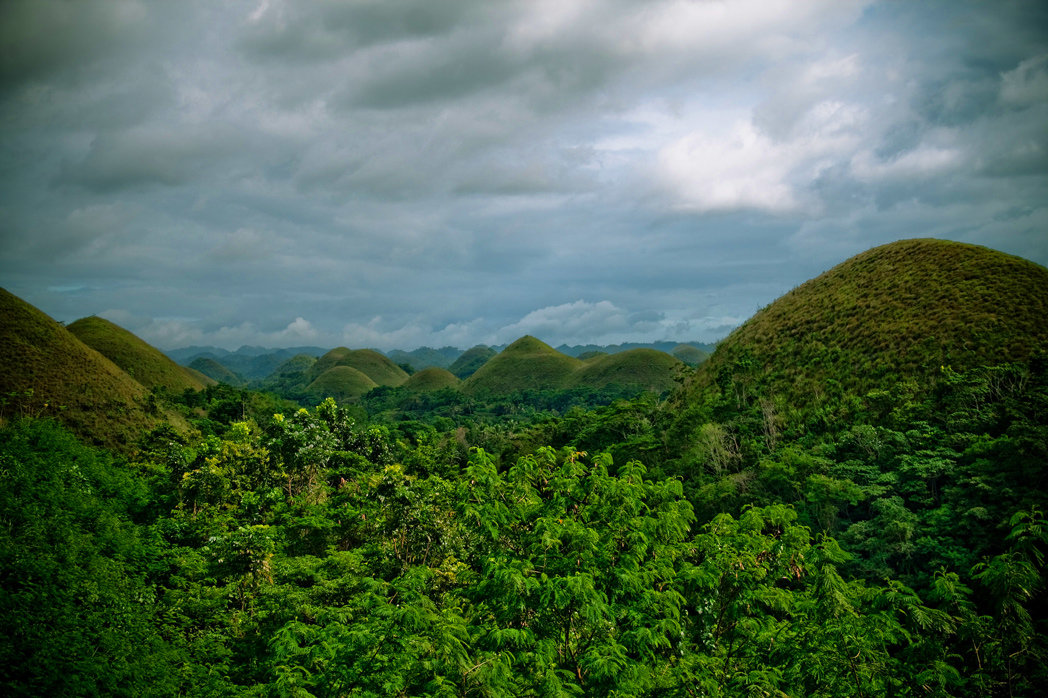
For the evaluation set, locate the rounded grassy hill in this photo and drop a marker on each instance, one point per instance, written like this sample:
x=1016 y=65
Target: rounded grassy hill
x=46 y=371
x=527 y=363
x=898 y=311
x=341 y=383
x=470 y=360
x=689 y=354
x=216 y=371
x=643 y=369
x=376 y=366
x=430 y=379
x=143 y=362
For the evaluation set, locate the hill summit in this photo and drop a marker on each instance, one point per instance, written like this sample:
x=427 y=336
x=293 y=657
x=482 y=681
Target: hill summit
x=527 y=363
x=46 y=371
x=898 y=311
x=143 y=362
x=530 y=364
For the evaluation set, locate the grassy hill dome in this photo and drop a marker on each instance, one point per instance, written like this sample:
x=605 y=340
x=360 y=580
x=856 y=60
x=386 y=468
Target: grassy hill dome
x=341 y=383
x=216 y=371
x=329 y=360
x=68 y=379
x=644 y=369
x=378 y=367
x=429 y=379
x=527 y=363
x=146 y=364
x=899 y=310
x=471 y=360
x=689 y=354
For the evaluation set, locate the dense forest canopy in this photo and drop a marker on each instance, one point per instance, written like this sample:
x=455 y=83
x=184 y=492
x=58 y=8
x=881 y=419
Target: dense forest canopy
x=736 y=532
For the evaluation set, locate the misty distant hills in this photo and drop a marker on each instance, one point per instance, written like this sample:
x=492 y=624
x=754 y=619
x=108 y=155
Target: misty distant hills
x=248 y=362
x=255 y=365
x=899 y=312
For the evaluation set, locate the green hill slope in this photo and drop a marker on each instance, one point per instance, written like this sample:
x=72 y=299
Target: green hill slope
x=901 y=310
x=146 y=364
x=429 y=379
x=377 y=367
x=643 y=369
x=69 y=380
x=216 y=371
x=341 y=383
x=425 y=357
x=290 y=377
x=470 y=360
x=527 y=363
x=689 y=354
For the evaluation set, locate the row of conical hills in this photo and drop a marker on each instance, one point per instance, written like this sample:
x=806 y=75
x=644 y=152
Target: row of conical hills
x=526 y=364
x=899 y=312
x=93 y=375
x=251 y=366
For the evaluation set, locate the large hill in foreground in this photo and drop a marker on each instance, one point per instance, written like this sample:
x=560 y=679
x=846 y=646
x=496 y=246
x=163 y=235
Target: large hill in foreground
x=45 y=370
x=902 y=310
x=143 y=362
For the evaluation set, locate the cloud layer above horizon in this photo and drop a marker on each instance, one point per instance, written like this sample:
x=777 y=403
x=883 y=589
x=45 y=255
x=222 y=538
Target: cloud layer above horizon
x=398 y=173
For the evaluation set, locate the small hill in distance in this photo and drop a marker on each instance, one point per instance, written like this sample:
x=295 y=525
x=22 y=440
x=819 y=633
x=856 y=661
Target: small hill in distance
x=341 y=383
x=526 y=364
x=690 y=354
x=530 y=364
x=377 y=367
x=430 y=379
x=216 y=371
x=643 y=369
x=898 y=311
x=470 y=360
x=291 y=377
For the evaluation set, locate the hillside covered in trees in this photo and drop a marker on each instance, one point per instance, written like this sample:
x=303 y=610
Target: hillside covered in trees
x=846 y=499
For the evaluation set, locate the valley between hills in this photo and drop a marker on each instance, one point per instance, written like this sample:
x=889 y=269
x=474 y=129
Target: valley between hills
x=846 y=496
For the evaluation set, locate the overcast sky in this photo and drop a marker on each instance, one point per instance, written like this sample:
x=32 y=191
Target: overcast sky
x=390 y=174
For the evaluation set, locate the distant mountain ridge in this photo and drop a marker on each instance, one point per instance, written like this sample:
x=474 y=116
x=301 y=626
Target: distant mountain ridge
x=256 y=365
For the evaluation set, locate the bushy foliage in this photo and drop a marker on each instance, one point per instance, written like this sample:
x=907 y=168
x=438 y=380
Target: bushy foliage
x=898 y=548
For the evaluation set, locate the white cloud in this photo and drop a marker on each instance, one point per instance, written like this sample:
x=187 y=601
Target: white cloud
x=172 y=333
x=925 y=161
x=739 y=166
x=393 y=170
x=1027 y=84
x=568 y=321
x=738 y=169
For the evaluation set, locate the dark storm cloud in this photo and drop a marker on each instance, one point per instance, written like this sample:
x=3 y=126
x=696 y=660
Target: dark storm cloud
x=404 y=172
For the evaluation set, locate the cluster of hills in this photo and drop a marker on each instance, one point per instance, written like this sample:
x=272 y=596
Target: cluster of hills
x=900 y=310
x=526 y=364
x=850 y=494
x=94 y=375
x=253 y=366
x=100 y=379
